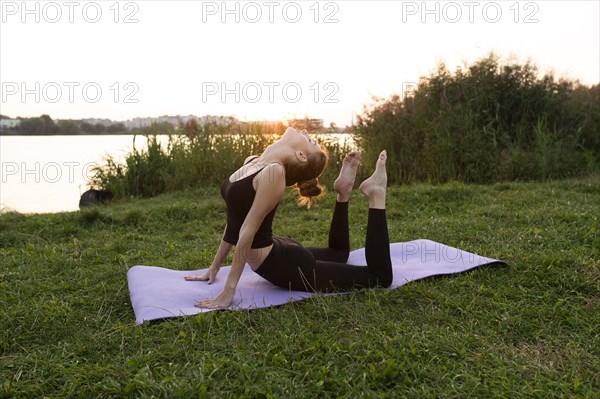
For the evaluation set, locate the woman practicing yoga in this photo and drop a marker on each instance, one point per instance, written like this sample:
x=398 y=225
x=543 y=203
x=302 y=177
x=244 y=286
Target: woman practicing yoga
x=252 y=194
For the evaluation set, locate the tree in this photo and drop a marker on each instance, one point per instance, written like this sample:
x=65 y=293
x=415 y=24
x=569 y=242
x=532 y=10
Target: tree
x=33 y=126
x=49 y=127
x=67 y=127
x=87 y=127
x=116 y=128
x=99 y=128
x=490 y=121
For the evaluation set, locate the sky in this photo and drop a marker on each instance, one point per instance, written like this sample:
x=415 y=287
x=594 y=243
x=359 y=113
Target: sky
x=271 y=60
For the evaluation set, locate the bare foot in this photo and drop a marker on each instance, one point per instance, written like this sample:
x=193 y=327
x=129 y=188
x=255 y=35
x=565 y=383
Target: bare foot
x=345 y=181
x=375 y=186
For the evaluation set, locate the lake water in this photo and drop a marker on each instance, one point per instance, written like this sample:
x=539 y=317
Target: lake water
x=41 y=174
x=49 y=173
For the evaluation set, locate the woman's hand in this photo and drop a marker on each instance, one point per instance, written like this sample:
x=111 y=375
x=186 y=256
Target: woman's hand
x=213 y=270
x=222 y=300
x=210 y=275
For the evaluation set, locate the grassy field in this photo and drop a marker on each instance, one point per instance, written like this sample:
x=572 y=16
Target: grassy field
x=527 y=330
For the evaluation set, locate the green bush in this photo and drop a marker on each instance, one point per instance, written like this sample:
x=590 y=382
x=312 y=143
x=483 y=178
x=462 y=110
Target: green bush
x=490 y=122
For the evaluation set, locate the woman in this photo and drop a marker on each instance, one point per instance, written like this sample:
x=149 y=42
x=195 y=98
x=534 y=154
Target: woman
x=252 y=194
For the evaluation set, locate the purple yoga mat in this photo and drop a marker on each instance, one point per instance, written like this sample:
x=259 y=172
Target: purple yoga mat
x=158 y=293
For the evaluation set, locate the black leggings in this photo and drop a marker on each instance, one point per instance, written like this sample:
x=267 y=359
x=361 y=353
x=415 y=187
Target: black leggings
x=293 y=266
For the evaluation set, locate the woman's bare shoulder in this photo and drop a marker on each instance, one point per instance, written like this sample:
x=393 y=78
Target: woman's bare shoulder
x=250 y=158
x=273 y=173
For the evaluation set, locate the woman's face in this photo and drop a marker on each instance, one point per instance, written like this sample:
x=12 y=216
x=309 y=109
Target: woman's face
x=300 y=140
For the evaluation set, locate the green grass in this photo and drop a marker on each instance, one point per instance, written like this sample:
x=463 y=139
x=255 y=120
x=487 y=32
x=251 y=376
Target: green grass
x=528 y=330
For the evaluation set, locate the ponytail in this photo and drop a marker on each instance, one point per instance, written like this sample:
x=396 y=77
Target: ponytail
x=308 y=190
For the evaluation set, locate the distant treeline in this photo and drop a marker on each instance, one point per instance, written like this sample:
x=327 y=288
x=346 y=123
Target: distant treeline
x=490 y=121
x=44 y=125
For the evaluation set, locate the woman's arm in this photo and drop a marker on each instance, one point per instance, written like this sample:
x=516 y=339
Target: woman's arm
x=218 y=260
x=220 y=256
x=269 y=190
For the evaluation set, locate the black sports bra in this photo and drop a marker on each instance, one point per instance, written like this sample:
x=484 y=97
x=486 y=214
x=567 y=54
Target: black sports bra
x=239 y=197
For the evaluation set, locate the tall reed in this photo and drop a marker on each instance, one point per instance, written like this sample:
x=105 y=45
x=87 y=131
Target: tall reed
x=195 y=156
